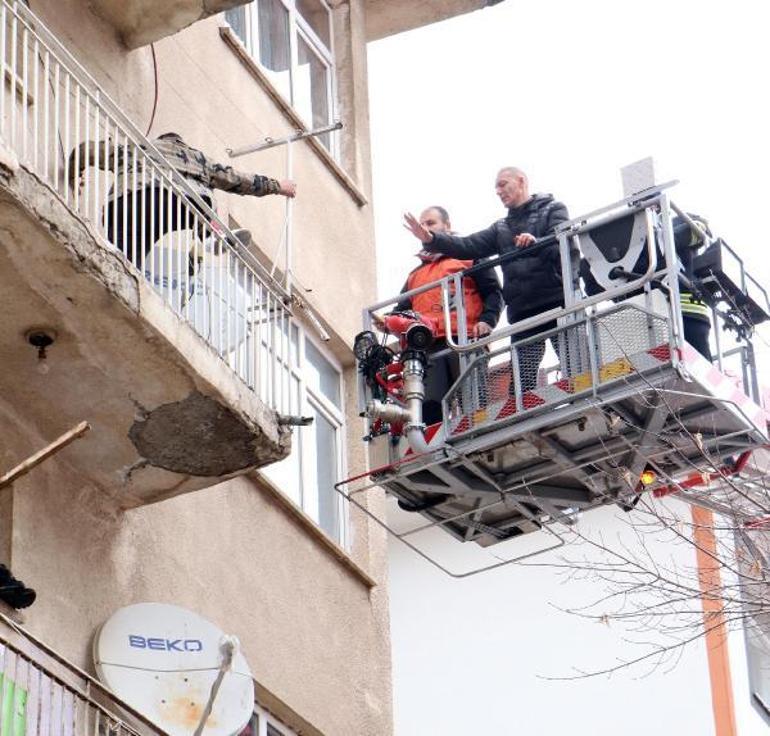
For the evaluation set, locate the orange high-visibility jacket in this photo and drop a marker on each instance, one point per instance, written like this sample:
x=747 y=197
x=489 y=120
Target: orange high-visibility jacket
x=429 y=304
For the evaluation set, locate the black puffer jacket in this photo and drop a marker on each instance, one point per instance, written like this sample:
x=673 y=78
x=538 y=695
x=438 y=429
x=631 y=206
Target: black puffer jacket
x=531 y=281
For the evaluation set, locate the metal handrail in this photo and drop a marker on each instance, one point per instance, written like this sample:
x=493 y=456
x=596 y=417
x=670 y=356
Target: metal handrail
x=99 y=96
x=138 y=203
x=51 y=695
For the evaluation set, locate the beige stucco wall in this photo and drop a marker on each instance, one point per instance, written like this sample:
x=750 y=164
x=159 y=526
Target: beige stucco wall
x=314 y=632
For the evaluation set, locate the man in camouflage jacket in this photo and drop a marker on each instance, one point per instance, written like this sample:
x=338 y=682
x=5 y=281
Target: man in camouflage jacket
x=142 y=205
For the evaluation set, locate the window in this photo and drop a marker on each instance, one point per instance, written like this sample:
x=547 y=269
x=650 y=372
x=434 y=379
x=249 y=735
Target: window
x=758 y=657
x=316 y=461
x=292 y=41
x=263 y=724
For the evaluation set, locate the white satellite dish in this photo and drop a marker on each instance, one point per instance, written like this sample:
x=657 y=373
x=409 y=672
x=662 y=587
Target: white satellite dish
x=163 y=660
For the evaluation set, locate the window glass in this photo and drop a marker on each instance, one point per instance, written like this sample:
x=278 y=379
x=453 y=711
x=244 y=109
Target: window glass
x=287 y=474
x=317 y=17
x=326 y=474
x=311 y=90
x=295 y=344
x=758 y=656
x=307 y=476
x=237 y=20
x=322 y=375
x=274 y=46
x=291 y=41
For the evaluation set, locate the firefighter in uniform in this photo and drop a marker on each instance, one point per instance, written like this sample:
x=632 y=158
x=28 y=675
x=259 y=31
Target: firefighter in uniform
x=482 y=298
x=696 y=316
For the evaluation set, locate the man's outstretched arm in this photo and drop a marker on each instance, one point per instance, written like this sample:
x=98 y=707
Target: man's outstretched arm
x=228 y=179
x=471 y=247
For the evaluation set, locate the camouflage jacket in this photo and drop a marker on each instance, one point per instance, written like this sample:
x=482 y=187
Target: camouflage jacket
x=138 y=168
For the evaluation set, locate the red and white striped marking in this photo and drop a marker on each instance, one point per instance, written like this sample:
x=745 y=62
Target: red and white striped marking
x=720 y=386
x=563 y=389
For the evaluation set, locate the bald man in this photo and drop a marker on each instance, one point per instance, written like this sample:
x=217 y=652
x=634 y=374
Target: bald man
x=532 y=283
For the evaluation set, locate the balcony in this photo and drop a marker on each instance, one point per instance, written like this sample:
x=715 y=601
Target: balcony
x=141 y=22
x=174 y=350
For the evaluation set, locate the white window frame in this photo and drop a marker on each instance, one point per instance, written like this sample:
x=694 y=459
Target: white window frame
x=313 y=401
x=265 y=719
x=298 y=28
x=757 y=658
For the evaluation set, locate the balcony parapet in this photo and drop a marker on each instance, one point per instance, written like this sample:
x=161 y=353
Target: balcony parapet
x=176 y=351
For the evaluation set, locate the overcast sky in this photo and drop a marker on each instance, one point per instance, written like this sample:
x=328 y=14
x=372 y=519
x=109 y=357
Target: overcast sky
x=571 y=91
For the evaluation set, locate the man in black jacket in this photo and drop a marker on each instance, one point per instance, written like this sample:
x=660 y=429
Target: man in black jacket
x=532 y=282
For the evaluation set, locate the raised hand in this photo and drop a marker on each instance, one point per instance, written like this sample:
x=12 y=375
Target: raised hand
x=412 y=224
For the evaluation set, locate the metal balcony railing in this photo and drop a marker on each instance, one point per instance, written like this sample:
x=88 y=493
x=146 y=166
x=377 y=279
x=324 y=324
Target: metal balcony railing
x=43 y=695
x=49 y=106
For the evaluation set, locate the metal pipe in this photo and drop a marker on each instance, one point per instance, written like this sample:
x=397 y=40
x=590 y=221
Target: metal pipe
x=285 y=140
x=414 y=395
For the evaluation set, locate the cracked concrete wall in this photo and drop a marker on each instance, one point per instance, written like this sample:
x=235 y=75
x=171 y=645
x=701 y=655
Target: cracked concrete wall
x=198 y=436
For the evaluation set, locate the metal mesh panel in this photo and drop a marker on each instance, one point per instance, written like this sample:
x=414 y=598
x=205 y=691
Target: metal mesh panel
x=594 y=351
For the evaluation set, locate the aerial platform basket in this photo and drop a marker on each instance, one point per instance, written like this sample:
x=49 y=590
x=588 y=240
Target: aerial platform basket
x=630 y=408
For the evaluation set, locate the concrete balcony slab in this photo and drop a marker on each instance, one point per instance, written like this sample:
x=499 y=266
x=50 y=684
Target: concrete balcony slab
x=141 y=22
x=168 y=415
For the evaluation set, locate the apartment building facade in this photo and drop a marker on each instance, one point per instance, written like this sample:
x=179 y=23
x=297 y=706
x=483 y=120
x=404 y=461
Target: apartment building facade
x=194 y=356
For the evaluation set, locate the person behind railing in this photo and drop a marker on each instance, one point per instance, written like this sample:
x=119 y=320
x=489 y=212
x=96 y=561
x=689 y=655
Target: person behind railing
x=482 y=299
x=696 y=318
x=688 y=239
x=158 y=209
x=532 y=283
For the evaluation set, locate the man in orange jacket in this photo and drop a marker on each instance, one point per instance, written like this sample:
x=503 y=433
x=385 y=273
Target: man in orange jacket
x=482 y=298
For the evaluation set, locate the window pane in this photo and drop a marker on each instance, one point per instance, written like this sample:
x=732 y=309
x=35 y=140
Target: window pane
x=326 y=470
x=274 y=50
x=237 y=20
x=317 y=17
x=758 y=656
x=287 y=474
x=321 y=374
x=295 y=344
x=311 y=90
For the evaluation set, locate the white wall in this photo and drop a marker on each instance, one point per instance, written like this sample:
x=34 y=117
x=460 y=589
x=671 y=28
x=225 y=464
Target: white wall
x=470 y=656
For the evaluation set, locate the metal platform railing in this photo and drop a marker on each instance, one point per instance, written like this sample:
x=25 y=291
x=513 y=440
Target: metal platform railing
x=49 y=106
x=594 y=352
x=630 y=407
x=41 y=694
